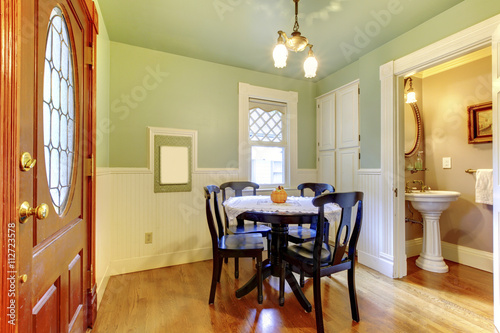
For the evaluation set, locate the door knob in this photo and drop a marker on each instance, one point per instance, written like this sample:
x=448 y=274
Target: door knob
x=25 y=211
x=27 y=162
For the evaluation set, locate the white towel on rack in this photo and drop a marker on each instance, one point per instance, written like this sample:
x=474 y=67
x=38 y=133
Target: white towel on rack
x=484 y=186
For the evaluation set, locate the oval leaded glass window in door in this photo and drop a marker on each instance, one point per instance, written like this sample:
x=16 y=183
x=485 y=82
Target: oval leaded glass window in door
x=59 y=120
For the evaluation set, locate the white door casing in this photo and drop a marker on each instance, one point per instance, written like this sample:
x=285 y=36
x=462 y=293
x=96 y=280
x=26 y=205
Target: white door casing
x=495 y=71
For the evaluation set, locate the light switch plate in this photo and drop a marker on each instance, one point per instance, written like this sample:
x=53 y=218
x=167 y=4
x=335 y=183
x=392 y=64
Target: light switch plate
x=148 y=238
x=446 y=162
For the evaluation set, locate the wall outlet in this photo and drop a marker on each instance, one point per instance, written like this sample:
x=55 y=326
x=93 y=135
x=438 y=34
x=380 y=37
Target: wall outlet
x=148 y=238
x=446 y=162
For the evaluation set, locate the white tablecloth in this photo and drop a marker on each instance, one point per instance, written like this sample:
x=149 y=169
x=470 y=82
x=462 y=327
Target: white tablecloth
x=259 y=203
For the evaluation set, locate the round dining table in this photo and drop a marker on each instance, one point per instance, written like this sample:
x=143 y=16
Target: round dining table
x=296 y=210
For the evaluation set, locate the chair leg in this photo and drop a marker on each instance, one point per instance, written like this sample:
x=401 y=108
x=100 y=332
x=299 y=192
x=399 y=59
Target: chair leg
x=215 y=274
x=318 y=309
x=301 y=281
x=236 y=268
x=220 y=270
x=268 y=246
x=352 y=294
x=259 y=279
x=326 y=232
x=282 y=283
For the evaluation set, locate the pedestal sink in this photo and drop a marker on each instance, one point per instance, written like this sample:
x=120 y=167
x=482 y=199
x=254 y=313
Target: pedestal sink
x=431 y=204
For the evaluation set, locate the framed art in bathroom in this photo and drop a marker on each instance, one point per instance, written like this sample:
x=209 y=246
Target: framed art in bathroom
x=480 y=123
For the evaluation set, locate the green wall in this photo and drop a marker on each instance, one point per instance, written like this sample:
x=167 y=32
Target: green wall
x=152 y=88
x=367 y=67
x=102 y=94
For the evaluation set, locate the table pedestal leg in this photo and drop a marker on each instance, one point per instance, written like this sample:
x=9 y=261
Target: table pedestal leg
x=252 y=283
x=279 y=241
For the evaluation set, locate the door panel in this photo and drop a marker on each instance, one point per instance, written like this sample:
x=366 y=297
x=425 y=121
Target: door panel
x=347 y=168
x=46 y=311
x=54 y=251
x=326 y=122
x=326 y=167
x=50 y=225
x=347 y=117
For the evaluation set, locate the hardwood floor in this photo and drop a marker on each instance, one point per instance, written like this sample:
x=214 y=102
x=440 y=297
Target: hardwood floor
x=175 y=299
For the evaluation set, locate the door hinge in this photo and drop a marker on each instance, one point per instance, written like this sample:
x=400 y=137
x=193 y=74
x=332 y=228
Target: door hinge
x=359 y=138
x=89 y=56
x=359 y=91
x=396 y=192
x=89 y=166
x=359 y=156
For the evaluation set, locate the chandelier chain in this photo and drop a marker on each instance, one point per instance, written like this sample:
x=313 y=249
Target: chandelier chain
x=296 y=25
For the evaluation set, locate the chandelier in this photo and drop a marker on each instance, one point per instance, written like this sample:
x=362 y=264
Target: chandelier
x=296 y=43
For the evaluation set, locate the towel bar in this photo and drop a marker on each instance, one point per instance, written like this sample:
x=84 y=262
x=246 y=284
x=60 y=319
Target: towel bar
x=470 y=170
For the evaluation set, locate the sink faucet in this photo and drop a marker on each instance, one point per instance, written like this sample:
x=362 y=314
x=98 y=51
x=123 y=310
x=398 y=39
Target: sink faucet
x=416 y=181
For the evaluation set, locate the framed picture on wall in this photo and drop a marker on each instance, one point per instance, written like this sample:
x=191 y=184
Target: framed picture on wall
x=480 y=123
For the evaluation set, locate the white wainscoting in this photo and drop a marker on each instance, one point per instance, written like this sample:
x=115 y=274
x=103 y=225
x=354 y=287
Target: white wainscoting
x=461 y=254
x=104 y=231
x=127 y=208
x=369 y=253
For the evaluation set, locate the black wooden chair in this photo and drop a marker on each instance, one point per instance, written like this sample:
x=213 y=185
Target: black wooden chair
x=241 y=227
x=230 y=246
x=326 y=259
x=299 y=234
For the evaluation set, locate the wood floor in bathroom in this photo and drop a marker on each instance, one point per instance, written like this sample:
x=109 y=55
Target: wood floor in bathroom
x=175 y=299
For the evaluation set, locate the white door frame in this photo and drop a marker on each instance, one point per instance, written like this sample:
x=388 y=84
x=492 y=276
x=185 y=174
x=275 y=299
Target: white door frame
x=392 y=159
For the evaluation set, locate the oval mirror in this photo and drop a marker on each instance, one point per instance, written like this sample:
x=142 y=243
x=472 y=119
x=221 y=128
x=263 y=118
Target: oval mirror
x=413 y=129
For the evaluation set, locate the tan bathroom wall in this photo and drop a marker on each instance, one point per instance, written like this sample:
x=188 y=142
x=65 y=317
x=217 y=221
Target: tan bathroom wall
x=444 y=113
x=414 y=230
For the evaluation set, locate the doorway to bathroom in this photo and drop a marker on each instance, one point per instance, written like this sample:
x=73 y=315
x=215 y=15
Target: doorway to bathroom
x=392 y=76
x=440 y=156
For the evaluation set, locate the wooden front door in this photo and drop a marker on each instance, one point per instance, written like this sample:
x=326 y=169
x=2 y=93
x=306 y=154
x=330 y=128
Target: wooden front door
x=55 y=127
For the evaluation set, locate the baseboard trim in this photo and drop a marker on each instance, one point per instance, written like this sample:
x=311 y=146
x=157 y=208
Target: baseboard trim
x=460 y=254
x=117 y=267
x=101 y=286
x=383 y=266
x=413 y=247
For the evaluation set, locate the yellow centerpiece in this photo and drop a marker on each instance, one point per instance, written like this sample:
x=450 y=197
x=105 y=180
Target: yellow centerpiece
x=279 y=195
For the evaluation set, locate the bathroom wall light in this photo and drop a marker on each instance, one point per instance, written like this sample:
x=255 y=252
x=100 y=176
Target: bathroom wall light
x=410 y=94
x=296 y=43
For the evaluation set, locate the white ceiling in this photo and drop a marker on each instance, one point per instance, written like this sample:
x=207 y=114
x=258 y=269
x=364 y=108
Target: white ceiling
x=242 y=33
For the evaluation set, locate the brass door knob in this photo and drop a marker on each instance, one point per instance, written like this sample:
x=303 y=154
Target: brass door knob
x=27 y=162
x=25 y=211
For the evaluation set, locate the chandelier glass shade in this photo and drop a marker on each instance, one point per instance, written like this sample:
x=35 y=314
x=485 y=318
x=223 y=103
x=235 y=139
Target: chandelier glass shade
x=295 y=43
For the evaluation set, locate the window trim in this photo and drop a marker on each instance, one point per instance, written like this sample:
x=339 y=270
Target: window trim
x=247 y=91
